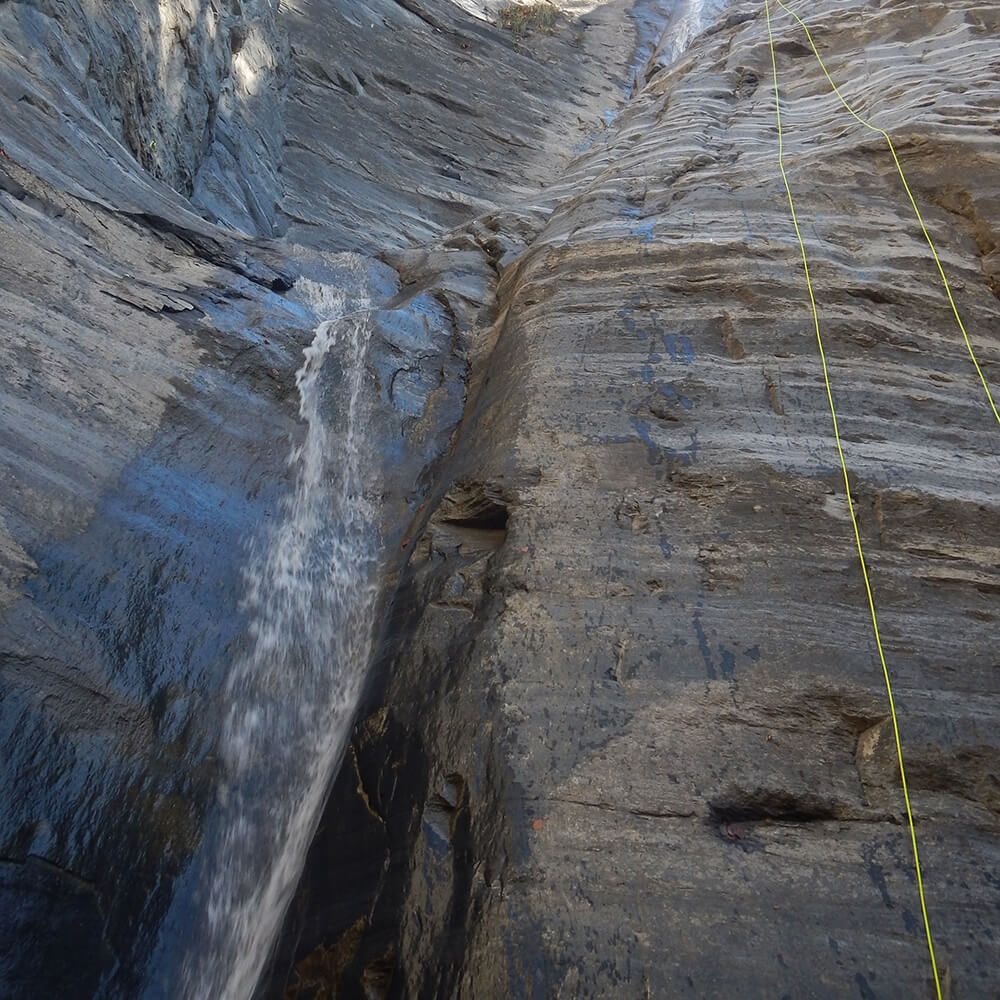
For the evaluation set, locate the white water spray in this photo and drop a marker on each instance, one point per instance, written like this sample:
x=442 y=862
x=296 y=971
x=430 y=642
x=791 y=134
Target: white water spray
x=310 y=594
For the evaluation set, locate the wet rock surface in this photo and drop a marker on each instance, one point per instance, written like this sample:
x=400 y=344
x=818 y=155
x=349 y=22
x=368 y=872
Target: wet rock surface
x=157 y=208
x=625 y=732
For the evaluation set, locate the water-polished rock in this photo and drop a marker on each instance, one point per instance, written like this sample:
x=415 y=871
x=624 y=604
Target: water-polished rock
x=168 y=172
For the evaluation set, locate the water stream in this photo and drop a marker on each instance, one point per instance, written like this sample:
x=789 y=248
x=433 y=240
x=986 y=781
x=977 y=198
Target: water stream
x=664 y=31
x=310 y=593
x=690 y=19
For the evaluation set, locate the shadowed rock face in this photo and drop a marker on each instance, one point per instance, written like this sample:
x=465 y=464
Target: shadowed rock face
x=168 y=173
x=625 y=732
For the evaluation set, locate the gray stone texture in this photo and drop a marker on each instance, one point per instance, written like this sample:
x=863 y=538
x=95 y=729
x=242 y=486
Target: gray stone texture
x=626 y=732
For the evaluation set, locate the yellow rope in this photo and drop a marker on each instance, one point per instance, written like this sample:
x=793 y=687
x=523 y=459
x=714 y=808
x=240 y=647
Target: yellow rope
x=850 y=503
x=909 y=194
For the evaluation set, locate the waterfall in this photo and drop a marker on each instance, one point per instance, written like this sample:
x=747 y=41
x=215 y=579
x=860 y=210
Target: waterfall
x=690 y=19
x=291 y=697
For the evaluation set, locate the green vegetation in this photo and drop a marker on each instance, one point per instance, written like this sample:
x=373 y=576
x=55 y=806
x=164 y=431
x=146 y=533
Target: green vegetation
x=524 y=18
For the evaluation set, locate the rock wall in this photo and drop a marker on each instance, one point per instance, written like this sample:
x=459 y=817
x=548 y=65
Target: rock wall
x=189 y=91
x=626 y=733
x=167 y=173
x=636 y=740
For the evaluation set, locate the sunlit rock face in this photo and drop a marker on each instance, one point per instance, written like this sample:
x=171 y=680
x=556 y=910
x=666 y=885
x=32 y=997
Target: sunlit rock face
x=189 y=91
x=620 y=728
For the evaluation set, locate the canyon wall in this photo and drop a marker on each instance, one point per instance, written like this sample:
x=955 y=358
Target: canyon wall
x=634 y=672
x=625 y=730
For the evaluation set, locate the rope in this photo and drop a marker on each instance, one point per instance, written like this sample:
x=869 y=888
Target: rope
x=909 y=194
x=847 y=491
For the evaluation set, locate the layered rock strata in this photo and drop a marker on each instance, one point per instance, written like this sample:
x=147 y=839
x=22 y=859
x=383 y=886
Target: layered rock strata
x=639 y=682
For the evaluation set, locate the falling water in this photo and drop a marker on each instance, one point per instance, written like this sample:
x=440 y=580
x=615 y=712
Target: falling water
x=664 y=31
x=310 y=589
x=690 y=19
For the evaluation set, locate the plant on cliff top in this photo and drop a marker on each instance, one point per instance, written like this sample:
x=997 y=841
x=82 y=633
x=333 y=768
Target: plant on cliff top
x=524 y=18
